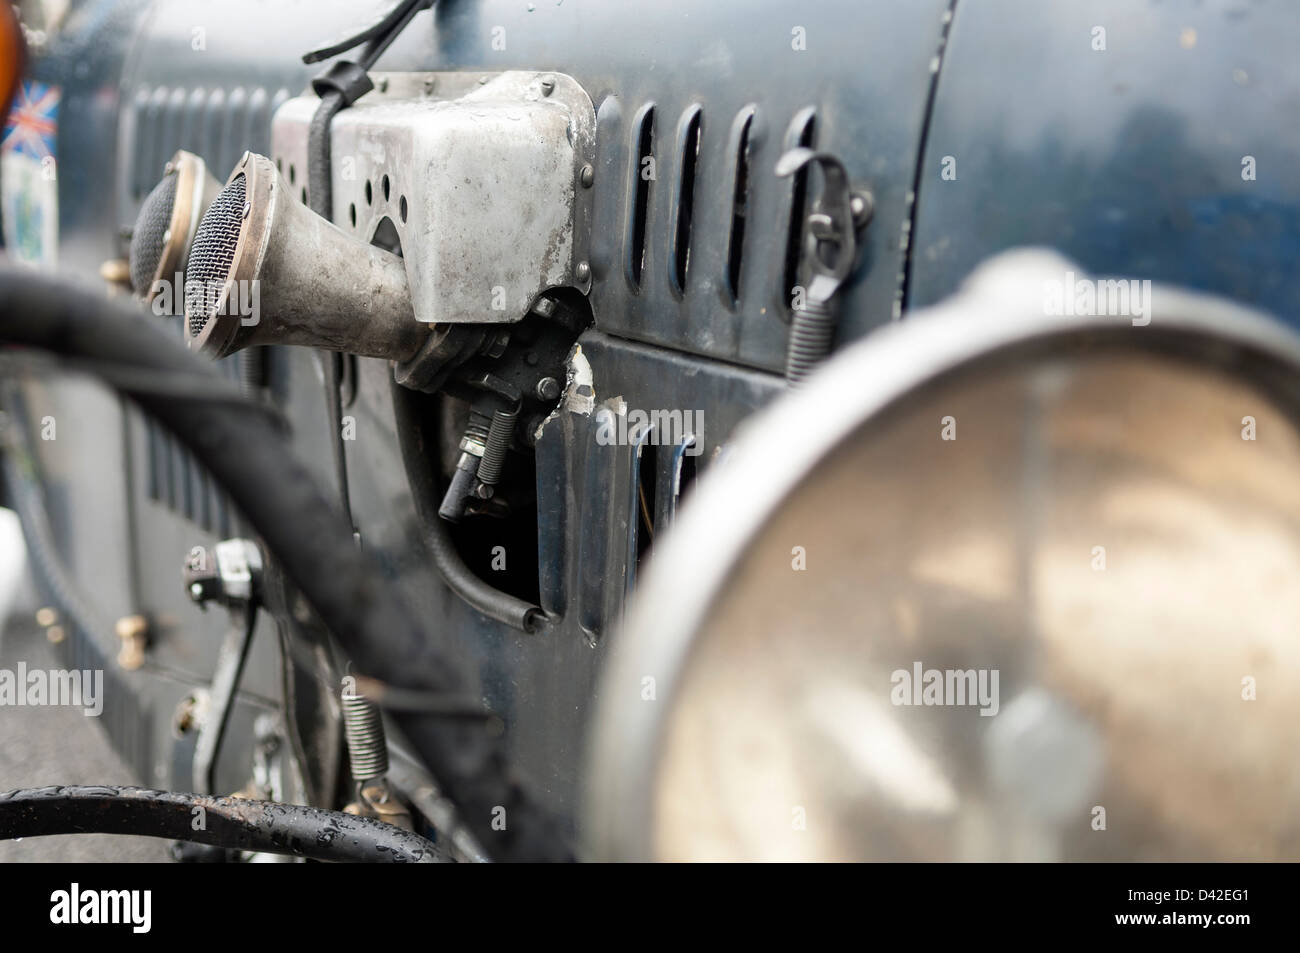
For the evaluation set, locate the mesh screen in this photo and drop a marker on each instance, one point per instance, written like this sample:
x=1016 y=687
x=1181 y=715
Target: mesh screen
x=212 y=254
x=147 y=236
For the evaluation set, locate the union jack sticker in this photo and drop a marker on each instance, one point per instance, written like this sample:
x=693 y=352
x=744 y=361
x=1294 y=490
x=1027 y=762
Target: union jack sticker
x=29 y=188
x=32 y=121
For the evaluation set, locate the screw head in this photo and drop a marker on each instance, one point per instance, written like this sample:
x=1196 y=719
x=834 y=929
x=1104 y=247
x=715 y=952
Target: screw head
x=582 y=271
x=863 y=206
x=588 y=176
x=548 y=388
x=548 y=85
x=196 y=590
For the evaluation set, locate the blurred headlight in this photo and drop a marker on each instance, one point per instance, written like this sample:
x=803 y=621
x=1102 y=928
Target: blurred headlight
x=997 y=585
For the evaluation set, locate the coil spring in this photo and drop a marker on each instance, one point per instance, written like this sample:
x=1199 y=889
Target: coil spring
x=364 y=729
x=496 y=445
x=810 y=339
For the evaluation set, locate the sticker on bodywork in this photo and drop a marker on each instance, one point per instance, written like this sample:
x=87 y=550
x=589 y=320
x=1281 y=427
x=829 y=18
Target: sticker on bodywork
x=29 y=177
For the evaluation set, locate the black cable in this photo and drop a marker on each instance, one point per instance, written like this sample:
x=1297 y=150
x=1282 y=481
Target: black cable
x=391 y=24
x=320 y=185
x=235 y=823
x=278 y=497
x=415 y=443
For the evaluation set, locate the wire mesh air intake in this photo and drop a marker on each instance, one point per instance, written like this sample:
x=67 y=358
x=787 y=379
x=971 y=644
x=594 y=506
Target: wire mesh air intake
x=212 y=254
x=147 y=239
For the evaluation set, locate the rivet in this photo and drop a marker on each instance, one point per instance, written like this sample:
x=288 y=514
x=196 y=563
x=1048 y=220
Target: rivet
x=588 y=176
x=583 y=271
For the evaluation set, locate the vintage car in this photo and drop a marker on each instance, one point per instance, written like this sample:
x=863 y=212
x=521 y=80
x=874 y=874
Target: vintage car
x=608 y=430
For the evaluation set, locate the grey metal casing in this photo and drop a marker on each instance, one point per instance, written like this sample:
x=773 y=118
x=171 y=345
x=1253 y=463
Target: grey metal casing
x=479 y=175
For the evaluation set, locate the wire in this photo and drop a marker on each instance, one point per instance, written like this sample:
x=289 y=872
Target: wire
x=389 y=25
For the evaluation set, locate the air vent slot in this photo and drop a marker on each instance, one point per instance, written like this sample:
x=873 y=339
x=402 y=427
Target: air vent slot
x=739 y=150
x=688 y=155
x=802 y=132
x=642 y=175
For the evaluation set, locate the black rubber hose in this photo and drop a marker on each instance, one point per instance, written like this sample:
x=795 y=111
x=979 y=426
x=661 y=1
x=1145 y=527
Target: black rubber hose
x=264 y=826
x=414 y=436
x=245 y=452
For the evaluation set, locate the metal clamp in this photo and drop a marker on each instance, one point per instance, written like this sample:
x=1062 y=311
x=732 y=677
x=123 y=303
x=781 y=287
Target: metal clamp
x=829 y=253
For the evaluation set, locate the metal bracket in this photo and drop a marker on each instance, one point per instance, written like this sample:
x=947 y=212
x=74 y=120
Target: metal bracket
x=234 y=580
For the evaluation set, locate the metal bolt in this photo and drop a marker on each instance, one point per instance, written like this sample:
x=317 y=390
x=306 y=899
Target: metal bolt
x=131 y=657
x=588 y=176
x=548 y=388
x=863 y=207
x=548 y=85
x=582 y=271
x=132 y=630
x=196 y=590
x=131 y=627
